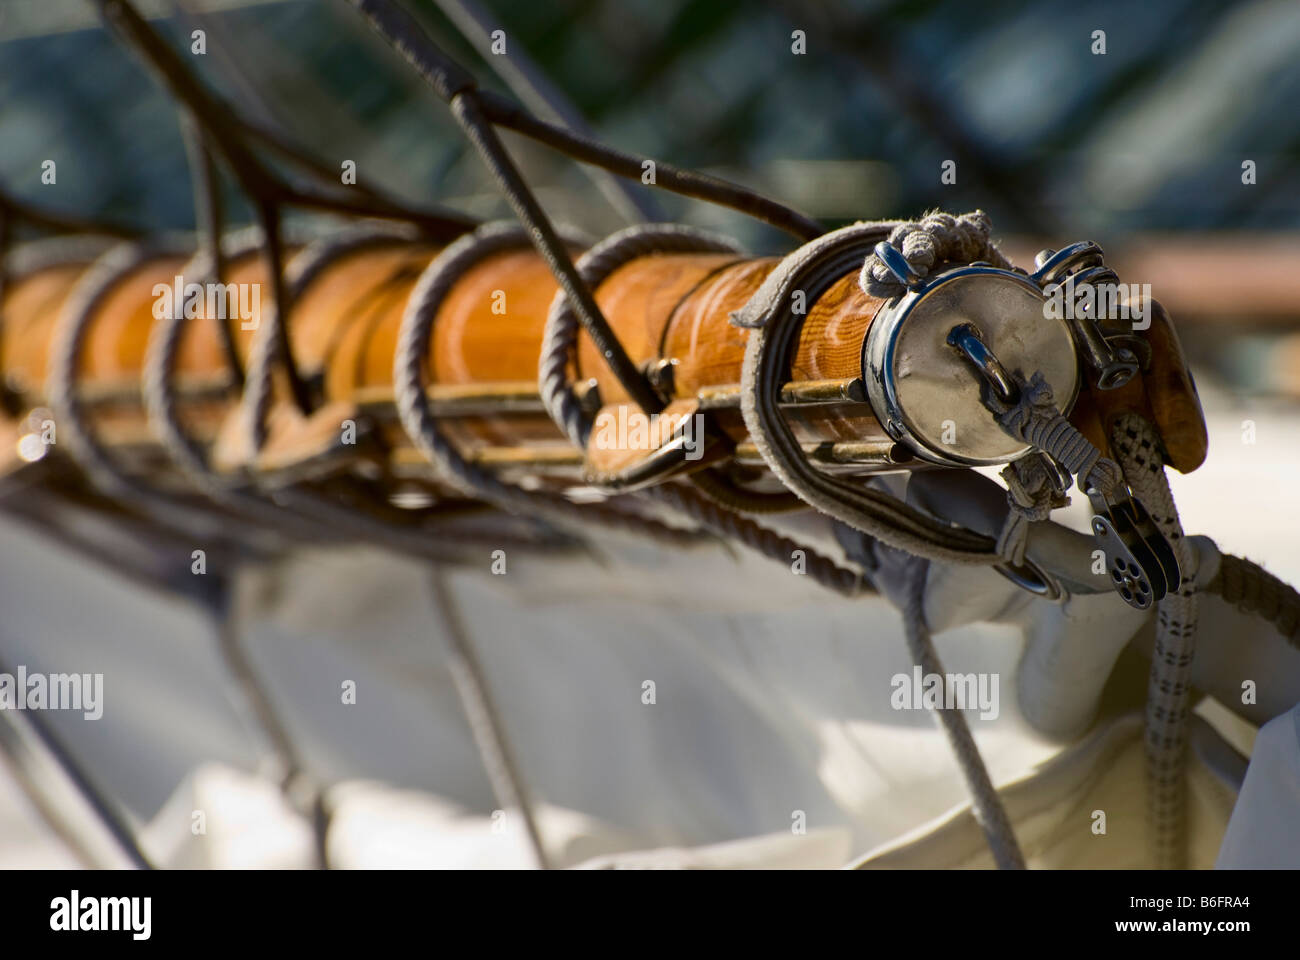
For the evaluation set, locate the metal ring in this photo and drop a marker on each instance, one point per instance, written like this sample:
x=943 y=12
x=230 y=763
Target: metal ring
x=966 y=337
x=897 y=264
x=1055 y=266
x=1031 y=577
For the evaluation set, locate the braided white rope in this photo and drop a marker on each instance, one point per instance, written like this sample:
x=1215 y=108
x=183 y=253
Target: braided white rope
x=1136 y=443
x=1137 y=447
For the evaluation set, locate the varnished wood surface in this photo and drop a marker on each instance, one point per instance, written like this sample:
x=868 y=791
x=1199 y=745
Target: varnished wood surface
x=340 y=296
x=1164 y=395
x=830 y=344
x=641 y=298
x=472 y=343
x=31 y=307
x=489 y=330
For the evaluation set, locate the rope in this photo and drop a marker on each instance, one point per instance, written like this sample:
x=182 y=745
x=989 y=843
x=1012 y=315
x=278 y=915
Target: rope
x=527 y=81
x=1137 y=446
x=1034 y=419
x=265 y=354
x=255 y=704
x=325 y=251
x=209 y=222
x=269 y=350
x=160 y=364
x=560 y=349
x=476 y=111
x=987 y=806
x=773 y=327
x=67 y=344
x=935 y=239
x=687 y=183
x=715 y=485
x=560 y=339
x=319 y=518
x=1032 y=495
x=414 y=356
x=162 y=402
x=732 y=526
x=484 y=719
x=544 y=237
x=924 y=245
x=17 y=733
x=1253 y=590
x=17 y=263
x=317 y=515
x=454 y=84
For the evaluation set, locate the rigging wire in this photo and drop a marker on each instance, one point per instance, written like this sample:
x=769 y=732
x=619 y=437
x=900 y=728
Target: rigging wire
x=266 y=189
x=530 y=84
x=479 y=113
x=484 y=719
x=113 y=821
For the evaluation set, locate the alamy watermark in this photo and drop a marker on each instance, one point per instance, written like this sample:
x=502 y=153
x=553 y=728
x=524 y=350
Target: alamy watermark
x=220 y=301
x=21 y=690
x=1101 y=301
x=946 y=691
x=74 y=913
x=633 y=430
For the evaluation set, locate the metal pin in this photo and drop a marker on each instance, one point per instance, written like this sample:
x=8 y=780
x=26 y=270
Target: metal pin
x=893 y=258
x=967 y=338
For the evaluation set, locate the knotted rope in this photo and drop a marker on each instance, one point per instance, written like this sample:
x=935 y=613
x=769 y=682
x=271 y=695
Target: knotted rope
x=934 y=239
x=1032 y=495
x=1035 y=419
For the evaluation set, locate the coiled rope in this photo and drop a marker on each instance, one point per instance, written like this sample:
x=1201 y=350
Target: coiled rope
x=935 y=239
x=411 y=361
x=560 y=339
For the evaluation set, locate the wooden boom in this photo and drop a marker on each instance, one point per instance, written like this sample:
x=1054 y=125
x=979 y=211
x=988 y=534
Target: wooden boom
x=670 y=311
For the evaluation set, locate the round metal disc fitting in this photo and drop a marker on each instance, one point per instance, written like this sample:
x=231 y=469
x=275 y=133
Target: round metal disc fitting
x=926 y=393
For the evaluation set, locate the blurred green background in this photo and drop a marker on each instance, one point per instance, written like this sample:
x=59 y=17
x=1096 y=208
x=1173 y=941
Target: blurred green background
x=1047 y=135
x=1056 y=142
